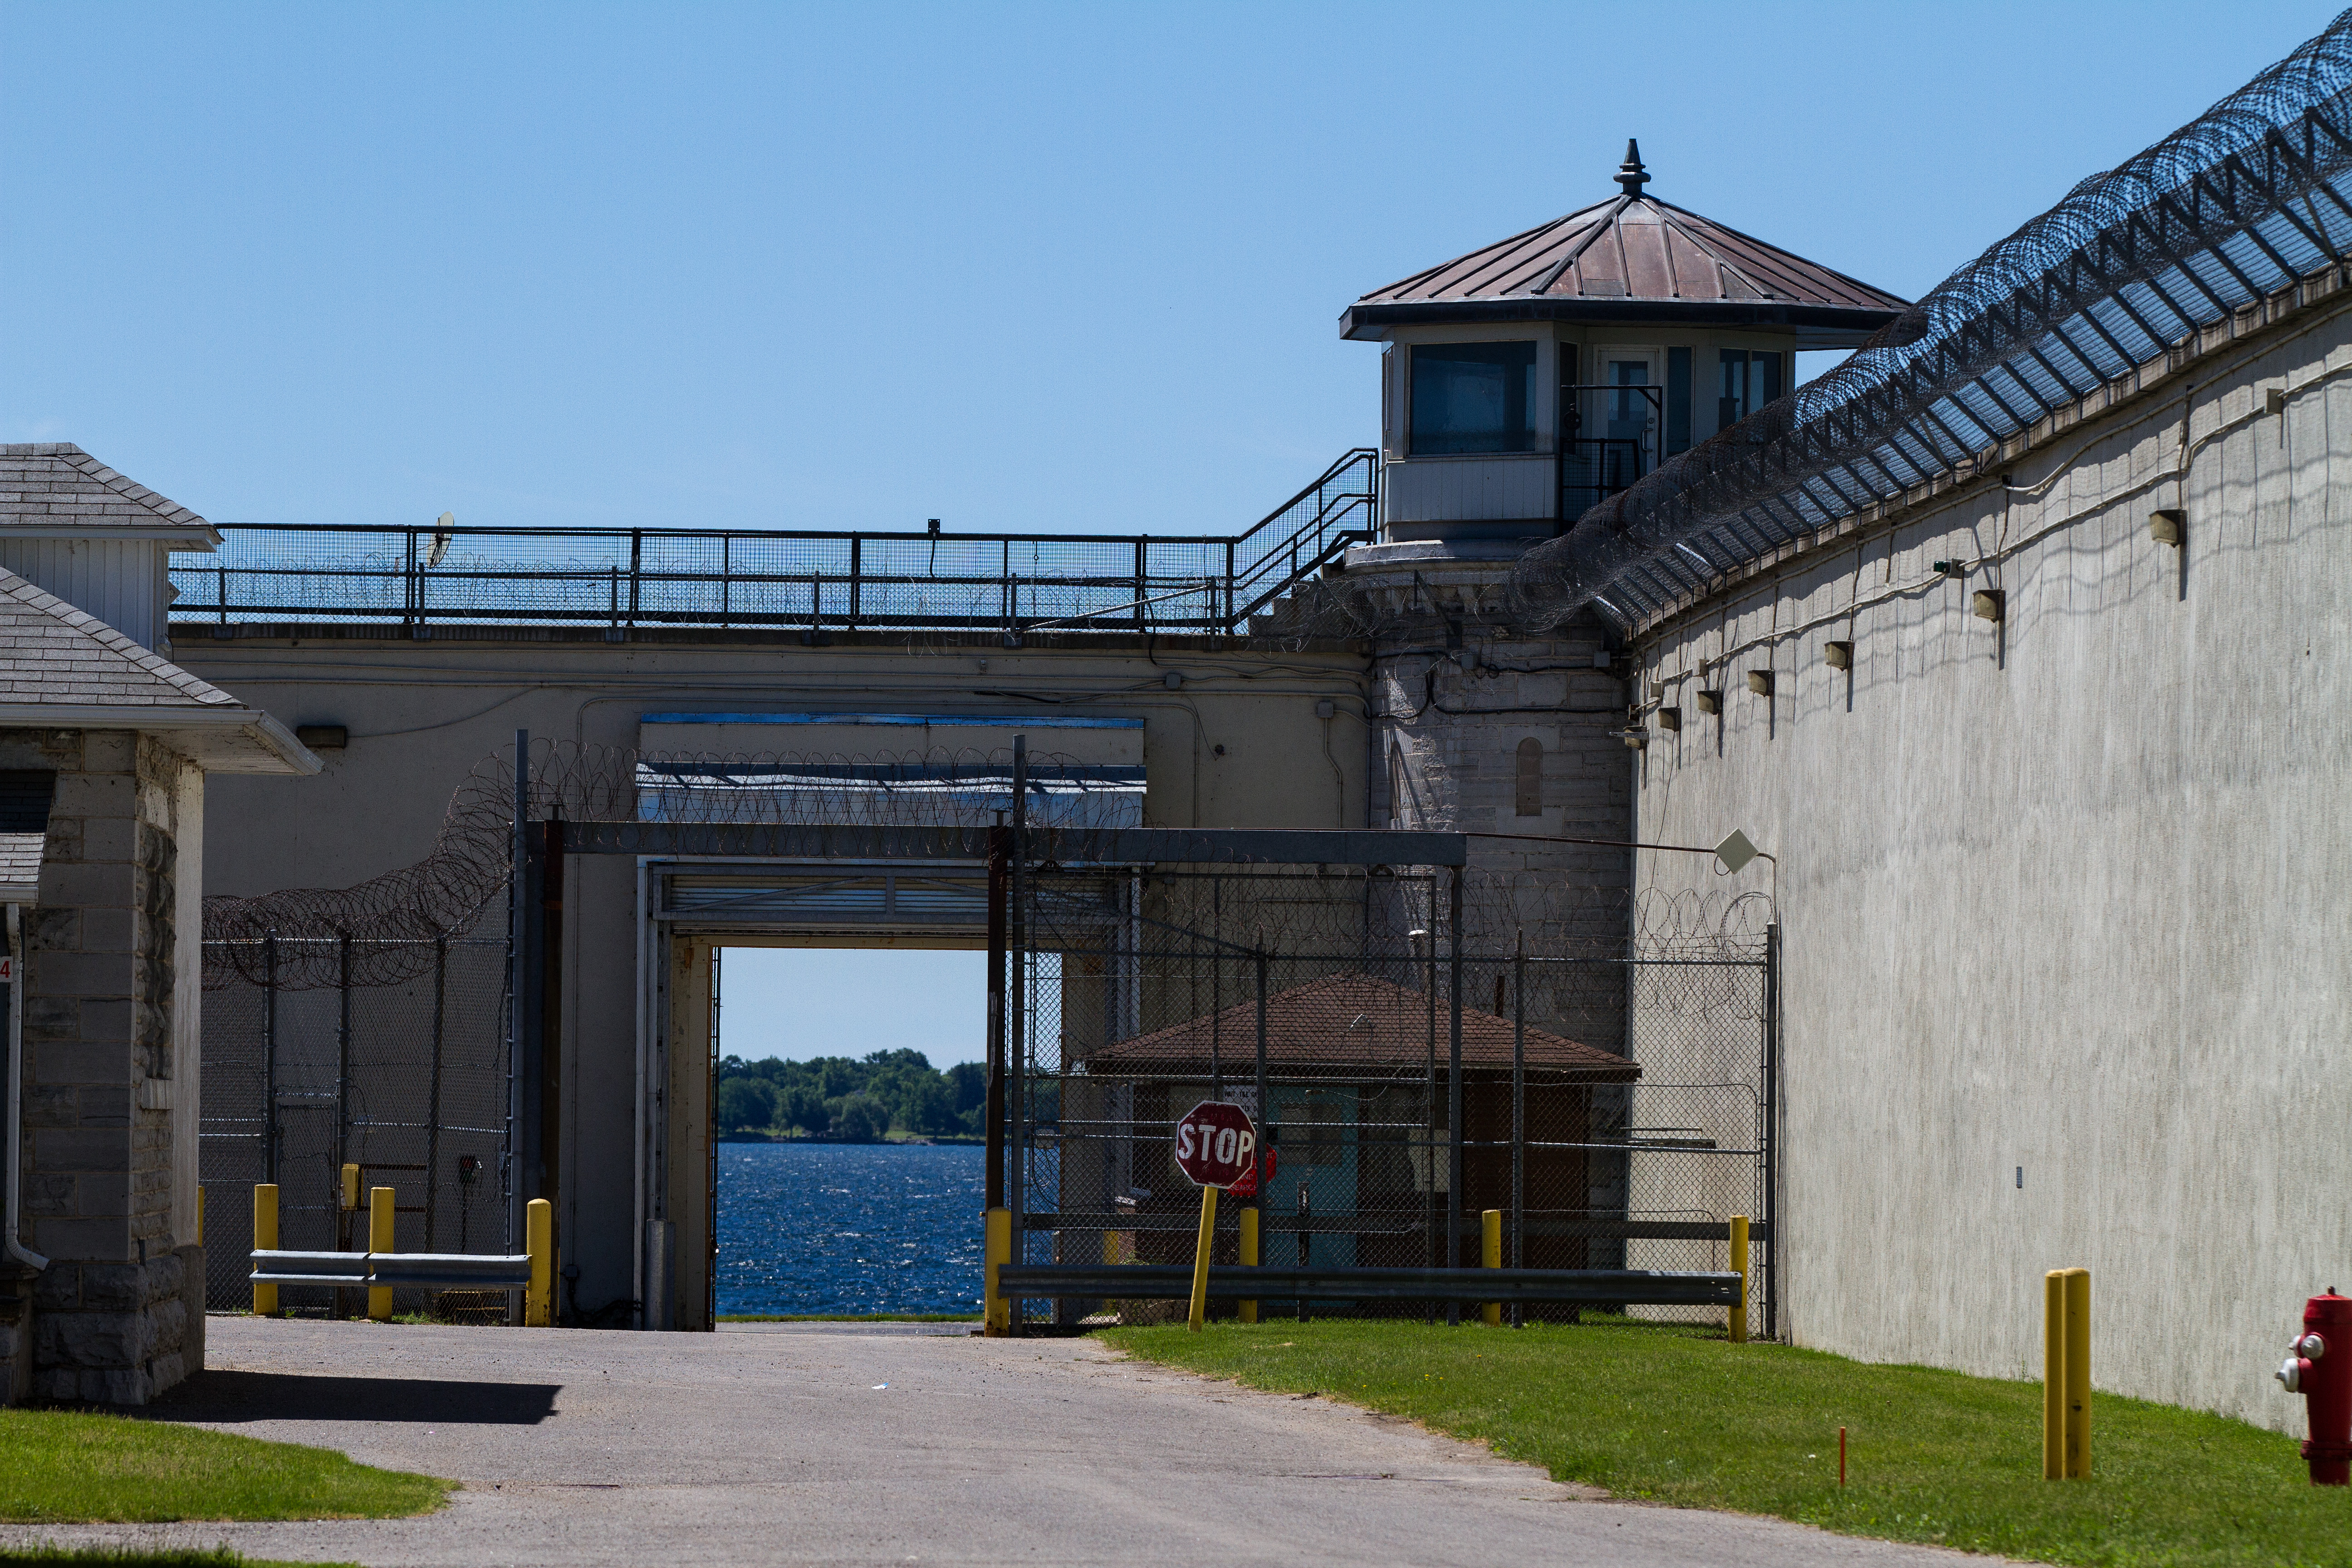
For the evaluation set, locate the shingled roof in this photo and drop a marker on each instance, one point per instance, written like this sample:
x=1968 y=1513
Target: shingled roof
x=1351 y=1017
x=1633 y=257
x=62 y=667
x=53 y=487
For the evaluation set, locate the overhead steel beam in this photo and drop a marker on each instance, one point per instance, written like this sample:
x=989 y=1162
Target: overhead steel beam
x=1109 y=846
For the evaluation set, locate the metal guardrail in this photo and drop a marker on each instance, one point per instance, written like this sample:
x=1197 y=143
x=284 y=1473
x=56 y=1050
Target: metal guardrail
x=389 y=1270
x=1589 y=1287
x=820 y=582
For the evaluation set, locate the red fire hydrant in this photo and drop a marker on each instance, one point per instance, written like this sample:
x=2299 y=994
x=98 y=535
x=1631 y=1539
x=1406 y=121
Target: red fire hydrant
x=2319 y=1367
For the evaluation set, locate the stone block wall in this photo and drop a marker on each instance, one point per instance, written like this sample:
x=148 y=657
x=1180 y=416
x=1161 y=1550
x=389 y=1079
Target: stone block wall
x=109 y=1321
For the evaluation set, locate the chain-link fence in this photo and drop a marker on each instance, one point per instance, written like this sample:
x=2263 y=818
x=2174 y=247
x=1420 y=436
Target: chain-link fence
x=407 y=1080
x=1613 y=1097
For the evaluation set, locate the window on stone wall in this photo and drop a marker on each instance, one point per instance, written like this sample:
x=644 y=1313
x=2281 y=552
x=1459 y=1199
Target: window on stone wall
x=1530 y=780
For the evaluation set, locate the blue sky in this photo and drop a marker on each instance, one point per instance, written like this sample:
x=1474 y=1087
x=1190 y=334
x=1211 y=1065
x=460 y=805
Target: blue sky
x=1071 y=267
x=1018 y=267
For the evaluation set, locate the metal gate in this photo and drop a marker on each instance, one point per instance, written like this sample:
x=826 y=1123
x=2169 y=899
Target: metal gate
x=1605 y=1082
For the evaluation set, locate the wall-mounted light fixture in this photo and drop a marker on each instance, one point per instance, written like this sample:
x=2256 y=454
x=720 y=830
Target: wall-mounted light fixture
x=1985 y=603
x=1952 y=569
x=1707 y=702
x=1634 y=735
x=2168 y=526
x=1760 y=681
x=1838 y=654
x=1670 y=720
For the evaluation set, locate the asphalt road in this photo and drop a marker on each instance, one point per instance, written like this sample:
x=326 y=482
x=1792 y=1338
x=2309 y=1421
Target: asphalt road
x=868 y=1445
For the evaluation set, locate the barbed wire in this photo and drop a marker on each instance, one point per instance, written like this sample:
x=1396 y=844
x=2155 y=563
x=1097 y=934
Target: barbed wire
x=2239 y=203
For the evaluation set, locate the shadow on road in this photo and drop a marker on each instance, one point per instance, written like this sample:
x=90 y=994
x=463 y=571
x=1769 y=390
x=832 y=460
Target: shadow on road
x=300 y=1396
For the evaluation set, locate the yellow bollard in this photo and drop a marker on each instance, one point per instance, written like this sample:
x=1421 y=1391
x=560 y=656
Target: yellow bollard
x=1201 y=1257
x=2078 y=1375
x=265 y=1240
x=539 y=1227
x=379 y=1241
x=2053 y=1375
x=996 y=1245
x=1490 y=1256
x=1738 y=1318
x=351 y=1187
x=1249 y=1256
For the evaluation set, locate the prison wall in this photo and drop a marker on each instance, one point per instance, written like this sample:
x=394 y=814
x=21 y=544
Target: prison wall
x=2061 y=892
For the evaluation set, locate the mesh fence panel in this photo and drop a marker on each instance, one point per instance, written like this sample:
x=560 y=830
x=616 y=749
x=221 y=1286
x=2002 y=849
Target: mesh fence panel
x=406 y=1079
x=1333 y=994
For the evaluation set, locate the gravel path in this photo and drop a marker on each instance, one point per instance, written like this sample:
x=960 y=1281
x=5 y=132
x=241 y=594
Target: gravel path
x=795 y=1443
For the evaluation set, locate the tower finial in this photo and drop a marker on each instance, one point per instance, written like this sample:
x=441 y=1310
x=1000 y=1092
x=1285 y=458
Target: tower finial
x=1630 y=174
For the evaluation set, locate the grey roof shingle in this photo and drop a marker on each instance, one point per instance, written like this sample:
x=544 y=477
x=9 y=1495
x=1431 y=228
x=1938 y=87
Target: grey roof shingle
x=51 y=653
x=20 y=859
x=55 y=484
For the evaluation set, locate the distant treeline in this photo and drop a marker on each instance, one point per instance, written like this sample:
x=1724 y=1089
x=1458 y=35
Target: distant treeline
x=858 y=1102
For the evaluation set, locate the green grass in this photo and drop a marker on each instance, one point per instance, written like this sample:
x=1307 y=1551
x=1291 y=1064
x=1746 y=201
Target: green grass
x=1681 y=1417
x=59 y=1467
x=850 y=1316
x=158 y=1557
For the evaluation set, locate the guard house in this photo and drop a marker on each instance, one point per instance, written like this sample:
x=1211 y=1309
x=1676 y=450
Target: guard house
x=1528 y=380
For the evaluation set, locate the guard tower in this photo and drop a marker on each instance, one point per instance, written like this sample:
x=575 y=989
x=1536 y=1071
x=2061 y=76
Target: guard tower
x=1530 y=379
x=1520 y=385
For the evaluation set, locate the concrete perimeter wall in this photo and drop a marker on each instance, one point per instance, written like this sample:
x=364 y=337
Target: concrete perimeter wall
x=2064 y=893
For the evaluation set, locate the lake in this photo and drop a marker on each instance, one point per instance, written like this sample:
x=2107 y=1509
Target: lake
x=850 y=1227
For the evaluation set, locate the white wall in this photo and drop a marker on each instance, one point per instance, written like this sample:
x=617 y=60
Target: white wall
x=2065 y=893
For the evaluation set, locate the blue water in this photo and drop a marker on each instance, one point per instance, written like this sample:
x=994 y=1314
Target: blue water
x=850 y=1227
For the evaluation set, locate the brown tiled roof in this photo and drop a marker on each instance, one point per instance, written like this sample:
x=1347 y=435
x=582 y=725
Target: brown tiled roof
x=1351 y=1017
x=54 y=655
x=1632 y=258
x=55 y=484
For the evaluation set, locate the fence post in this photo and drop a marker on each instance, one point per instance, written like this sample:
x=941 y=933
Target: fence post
x=2078 y=1375
x=265 y=1240
x=380 y=1240
x=1771 y=1128
x=269 y=1139
x=1453 y=1197
x=1016 y=1095
x=1519 y=1115
x=1259 y=1189
x=1249 y=1254
x=1490 y=1256
x=996 y=1242
x=2053 y=1375
x=539 y=1300
x=433 y=1094
x=1737 y=1315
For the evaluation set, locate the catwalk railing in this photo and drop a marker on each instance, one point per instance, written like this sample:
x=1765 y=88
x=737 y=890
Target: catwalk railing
x=819 y=583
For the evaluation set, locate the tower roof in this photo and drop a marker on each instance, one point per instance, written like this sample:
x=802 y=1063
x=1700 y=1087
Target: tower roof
x=1632 y=258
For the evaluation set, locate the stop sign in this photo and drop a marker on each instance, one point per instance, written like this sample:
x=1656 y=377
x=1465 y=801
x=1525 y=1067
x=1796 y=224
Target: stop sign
x=1215 y=1143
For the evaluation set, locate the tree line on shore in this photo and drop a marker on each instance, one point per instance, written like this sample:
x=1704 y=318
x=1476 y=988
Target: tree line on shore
x=854 y=1100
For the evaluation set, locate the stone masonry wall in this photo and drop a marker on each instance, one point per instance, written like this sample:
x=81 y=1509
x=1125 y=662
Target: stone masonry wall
x=109 y=1319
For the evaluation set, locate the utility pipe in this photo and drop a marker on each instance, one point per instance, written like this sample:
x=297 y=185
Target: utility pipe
x=15 y=1174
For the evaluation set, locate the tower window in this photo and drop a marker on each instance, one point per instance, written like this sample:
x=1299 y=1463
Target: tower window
x=1474 y=398
x=1751 y=378
x=1530 y=778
